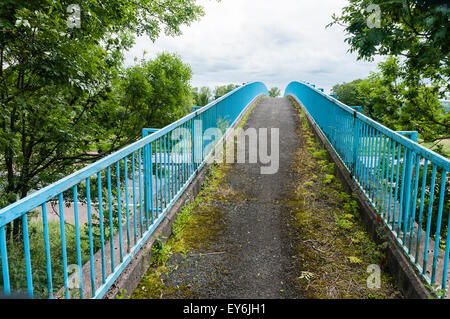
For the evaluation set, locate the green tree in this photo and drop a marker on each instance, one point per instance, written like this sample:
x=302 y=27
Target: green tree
x=399 y=106
x=348 y=93
x=201 y=96
x=387 y=97
x=274 y=92
x=153 y=93
x=224 y=89
x=407 y=90
x=55 y=80
x=416 y=30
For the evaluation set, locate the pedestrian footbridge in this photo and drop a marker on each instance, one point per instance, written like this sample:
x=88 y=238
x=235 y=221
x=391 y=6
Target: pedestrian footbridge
x=97 y=220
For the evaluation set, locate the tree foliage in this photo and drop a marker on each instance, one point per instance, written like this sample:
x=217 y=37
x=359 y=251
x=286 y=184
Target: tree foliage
x=64 y=100
x=348 y=92
x=152 y=94
x=224 y=89
x=416 y=30
x=404 y=107
x=201 y=96
x=405 y=93
x=274 y=92
x=387 y=97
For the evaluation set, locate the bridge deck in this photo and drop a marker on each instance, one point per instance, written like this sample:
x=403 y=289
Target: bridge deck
x=256 y=250
x=255 y=254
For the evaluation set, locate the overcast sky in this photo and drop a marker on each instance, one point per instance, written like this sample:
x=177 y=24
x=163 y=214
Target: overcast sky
x=273 y=41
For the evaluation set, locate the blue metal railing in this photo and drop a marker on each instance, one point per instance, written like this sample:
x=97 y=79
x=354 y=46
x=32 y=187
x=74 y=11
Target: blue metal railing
x=128 y=193
x=389 y=167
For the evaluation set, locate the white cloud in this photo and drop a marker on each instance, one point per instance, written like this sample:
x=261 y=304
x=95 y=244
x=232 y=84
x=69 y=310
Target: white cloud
x=275 y=42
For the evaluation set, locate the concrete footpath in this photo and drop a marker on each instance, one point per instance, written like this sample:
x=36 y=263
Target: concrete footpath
x=254 y=256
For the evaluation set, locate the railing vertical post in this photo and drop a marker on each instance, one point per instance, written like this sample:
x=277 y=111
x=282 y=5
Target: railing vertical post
x=91 y=240
x=26 y=247
x=4 y=258
x=357 y=108
x=145 y=159
x=408 y=180
x=47 y=251
x=355 y=141
x=446 y=256
x=63 y=244
x=151 y=181
x=198 y=128
x=100 y=217
x=407 y=194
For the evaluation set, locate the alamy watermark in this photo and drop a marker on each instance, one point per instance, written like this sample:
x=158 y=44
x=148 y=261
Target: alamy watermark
x=242 y=146
x=73 y=282
x=74 y=18
x=374 y=280
x=374 y=19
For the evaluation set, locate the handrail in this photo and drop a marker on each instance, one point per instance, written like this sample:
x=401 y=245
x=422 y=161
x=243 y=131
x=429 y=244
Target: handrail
x=389 y=168
x=158 y=173
x=29 y=202
x=430 y=154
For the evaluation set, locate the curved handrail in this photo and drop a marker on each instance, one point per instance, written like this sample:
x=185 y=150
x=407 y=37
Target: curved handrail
x=388 y=167
x=423 y=151
x=162 y=172
x=16 y=209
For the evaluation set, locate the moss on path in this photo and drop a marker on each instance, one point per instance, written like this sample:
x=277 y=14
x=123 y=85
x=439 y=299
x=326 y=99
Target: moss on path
x=334 y=250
